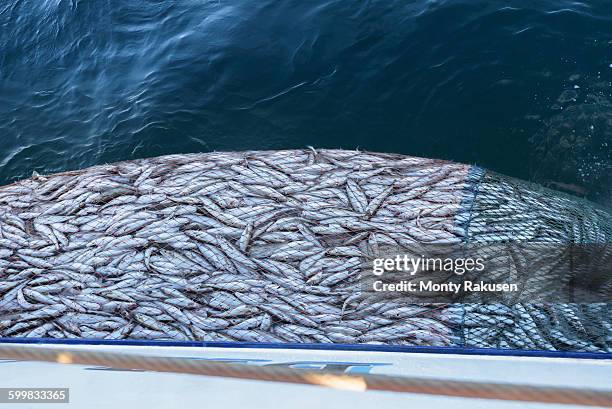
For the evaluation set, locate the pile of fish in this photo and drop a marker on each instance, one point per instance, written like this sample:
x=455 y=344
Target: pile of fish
x=246 y=246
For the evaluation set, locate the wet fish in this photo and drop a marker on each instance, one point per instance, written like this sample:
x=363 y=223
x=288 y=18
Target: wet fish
x=258 y=247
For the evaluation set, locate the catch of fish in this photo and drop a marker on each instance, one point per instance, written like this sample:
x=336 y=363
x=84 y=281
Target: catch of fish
x=268 y=246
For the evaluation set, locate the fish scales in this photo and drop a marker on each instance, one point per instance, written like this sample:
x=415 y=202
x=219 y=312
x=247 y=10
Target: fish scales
x=251 y=246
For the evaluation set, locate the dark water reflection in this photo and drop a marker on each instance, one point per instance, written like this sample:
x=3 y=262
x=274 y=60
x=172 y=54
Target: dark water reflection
x=523 y=89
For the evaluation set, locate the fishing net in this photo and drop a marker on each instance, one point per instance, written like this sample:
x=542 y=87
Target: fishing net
x=273 y=247
x=507 y=210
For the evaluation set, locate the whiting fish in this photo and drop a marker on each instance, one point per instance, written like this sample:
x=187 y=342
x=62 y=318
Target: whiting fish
x=267 y=247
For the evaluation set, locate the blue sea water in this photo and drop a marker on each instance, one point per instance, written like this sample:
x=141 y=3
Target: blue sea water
x=519 y=87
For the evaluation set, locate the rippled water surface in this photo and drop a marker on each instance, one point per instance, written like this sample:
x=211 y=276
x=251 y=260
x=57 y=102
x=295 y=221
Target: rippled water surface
x=520 y=87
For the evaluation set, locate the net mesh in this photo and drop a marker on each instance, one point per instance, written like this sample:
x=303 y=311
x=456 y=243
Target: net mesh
x=269 y=247
x=510 y=210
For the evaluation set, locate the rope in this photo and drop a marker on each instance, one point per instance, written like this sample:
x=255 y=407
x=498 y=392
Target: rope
x=336 y=380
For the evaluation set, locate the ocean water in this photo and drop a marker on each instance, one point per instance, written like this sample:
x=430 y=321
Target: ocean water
x=519 y=87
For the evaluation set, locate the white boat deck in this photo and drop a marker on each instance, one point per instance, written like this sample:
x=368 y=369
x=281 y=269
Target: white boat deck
x=95 y=387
